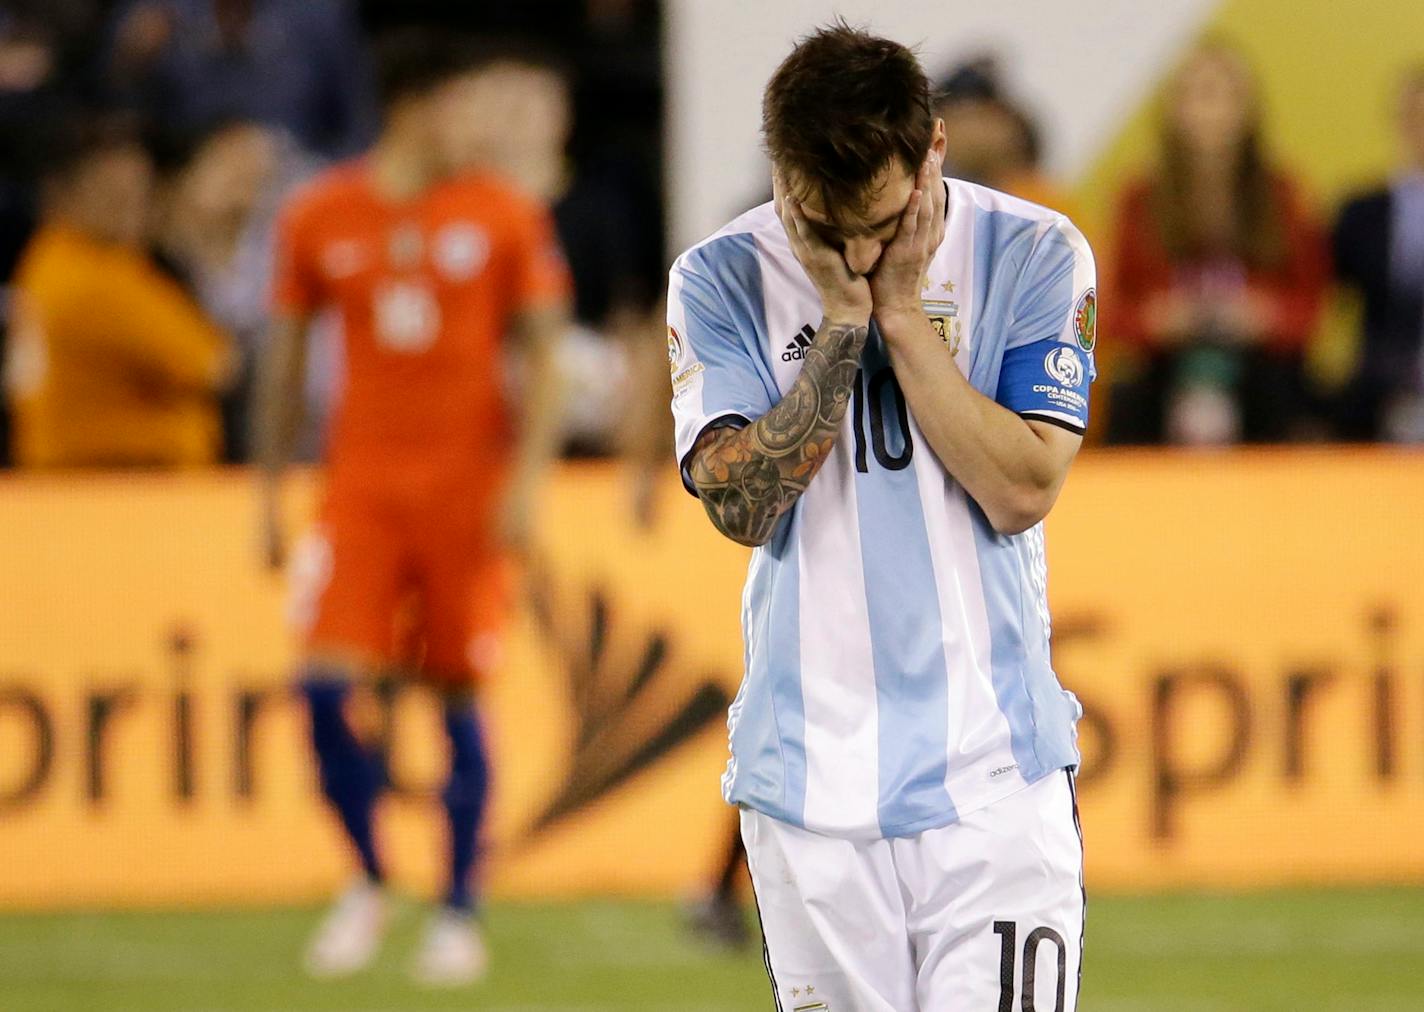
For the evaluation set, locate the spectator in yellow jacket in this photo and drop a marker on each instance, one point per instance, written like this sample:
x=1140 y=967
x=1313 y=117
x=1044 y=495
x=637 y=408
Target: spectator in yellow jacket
x=110 y=363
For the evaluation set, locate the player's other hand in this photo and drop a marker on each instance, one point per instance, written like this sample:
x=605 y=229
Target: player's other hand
x=845 y=296
x=516 y=523
x=896 y=282
x=273 y=540
x=643 y=493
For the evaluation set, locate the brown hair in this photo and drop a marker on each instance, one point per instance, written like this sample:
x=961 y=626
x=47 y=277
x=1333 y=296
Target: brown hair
x=74 y=137
x=1257 y=235
x=841 y=107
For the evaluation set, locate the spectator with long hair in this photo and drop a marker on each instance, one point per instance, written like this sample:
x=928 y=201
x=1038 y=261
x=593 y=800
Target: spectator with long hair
x=1220 y=272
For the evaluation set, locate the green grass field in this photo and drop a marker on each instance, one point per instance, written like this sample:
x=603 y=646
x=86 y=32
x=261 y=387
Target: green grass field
x=1317 y=951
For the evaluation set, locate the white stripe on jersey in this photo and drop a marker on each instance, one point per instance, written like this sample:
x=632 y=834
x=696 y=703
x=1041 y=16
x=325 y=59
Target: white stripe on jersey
x=837 y=670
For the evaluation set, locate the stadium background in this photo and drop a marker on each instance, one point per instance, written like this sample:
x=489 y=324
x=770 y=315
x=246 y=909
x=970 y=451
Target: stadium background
x=1245 y=627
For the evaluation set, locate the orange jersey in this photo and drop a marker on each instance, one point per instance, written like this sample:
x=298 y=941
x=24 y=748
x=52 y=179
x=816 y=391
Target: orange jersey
x=426 y=290
x=111 y=364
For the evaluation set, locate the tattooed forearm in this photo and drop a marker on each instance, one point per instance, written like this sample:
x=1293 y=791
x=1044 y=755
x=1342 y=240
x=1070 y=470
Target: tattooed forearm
x=749 y=477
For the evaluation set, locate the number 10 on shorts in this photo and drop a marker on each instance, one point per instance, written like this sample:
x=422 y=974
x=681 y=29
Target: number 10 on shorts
x=1008 y=932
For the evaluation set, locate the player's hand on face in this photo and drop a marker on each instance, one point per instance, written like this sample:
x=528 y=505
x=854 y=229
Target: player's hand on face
x=895 y=283
x=845 y=297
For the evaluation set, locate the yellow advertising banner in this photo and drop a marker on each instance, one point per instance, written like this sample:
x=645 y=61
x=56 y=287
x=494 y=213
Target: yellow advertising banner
x=1246 y=631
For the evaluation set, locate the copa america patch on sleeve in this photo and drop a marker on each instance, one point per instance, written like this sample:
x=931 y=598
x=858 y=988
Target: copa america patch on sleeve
x=1085 y=319
x=677 y=352
x=1048 y=381
x=1064 y=367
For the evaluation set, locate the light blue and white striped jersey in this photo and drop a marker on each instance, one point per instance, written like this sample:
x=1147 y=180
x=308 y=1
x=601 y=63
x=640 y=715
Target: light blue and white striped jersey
x=896 y=647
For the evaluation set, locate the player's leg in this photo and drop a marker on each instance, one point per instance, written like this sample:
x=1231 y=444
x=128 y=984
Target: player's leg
x=718 y=917
x=997 y=904
x=352 y=777
x=345 y=583
x=466 y=594
x=464 y=796
x=467 y=599
x=833 y=920
x=453 y=950
x=348 y=762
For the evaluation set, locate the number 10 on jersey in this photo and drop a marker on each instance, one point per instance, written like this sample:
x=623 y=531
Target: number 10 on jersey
x=870 y=397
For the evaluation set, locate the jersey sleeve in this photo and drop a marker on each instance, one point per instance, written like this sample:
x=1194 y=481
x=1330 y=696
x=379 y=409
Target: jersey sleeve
x=716 y=380
x=1048 y=355
x=541 y=274
x=296 y=282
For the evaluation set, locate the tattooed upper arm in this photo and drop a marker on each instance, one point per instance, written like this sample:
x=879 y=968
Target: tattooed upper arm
x=747 y=478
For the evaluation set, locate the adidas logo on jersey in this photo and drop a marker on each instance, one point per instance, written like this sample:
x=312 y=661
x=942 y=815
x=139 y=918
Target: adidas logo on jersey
x=796 y=349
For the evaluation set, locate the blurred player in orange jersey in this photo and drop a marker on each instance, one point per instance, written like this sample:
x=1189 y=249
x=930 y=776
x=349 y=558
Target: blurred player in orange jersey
x=430 y=484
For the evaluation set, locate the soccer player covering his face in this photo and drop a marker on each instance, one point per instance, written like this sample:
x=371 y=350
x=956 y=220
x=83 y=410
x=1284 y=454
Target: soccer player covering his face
x=439 y=275
x=880 y=379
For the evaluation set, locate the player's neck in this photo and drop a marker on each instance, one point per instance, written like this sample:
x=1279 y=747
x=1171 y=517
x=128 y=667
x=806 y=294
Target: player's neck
x=401 y=165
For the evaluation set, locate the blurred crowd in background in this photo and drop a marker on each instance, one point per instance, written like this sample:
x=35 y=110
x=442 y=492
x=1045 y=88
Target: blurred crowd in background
x=1217 y=269
x=148 y=145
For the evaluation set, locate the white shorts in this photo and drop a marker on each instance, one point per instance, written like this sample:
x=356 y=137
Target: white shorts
x=982 y=915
